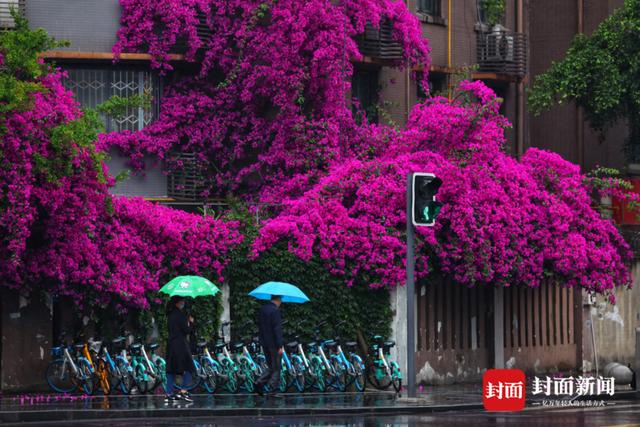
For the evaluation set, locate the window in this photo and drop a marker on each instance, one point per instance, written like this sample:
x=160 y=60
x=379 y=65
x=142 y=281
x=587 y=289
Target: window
x=93 y=86
x=364 y=88
x=437 y=85
x=430 y=7
x=6 y=20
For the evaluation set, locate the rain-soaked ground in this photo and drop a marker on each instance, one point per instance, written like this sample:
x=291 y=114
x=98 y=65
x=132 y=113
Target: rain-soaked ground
x=38 y=402
x=356 y=409
x=618 y=414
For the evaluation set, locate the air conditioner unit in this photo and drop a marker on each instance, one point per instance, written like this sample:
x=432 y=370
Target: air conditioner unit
x=6 y=20
x=498 y=47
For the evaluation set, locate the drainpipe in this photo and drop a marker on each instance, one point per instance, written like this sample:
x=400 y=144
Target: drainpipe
x=580 y=112
x=449 y=62
x=407 y=94
x=520 y=90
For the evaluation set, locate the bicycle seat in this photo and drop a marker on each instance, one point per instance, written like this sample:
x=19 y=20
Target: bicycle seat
x=377 y=337
x=118 y=341
x=154 y=346
x=312 y=344
x=292 y=345
x=329 y=343
x=201 y=344
x=351 y=344
x=135 y=347
x=389 y=343
x=219 y=346
x=238 y=345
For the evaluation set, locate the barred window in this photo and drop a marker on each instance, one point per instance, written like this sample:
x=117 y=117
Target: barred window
x=93 y=86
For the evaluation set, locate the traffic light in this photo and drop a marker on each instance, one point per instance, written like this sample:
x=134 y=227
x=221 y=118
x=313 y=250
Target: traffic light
x=425 y=208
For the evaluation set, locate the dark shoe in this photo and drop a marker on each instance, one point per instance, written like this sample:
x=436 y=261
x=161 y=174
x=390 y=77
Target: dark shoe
x=170 y=398
x=185 y=396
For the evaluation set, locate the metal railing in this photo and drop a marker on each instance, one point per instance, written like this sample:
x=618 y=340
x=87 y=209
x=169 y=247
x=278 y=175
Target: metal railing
x=6 y=20
x=186 y=179
x=379 y=42
x=502 y=52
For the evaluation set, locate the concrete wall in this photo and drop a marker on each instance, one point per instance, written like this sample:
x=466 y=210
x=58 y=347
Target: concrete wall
x=26 y=329
x=151 y=183
x=90 y=25
x=613 y=326
x=553 y=24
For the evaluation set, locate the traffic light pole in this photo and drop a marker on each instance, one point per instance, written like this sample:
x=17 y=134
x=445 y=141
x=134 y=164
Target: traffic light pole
x=411 y=337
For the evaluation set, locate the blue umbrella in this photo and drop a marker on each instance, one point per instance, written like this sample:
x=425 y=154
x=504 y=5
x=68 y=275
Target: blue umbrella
x=289 y=293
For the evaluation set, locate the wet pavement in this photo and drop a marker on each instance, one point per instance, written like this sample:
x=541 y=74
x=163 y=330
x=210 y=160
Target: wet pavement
x=620 y=413
x=52 y=407
x=71 y=408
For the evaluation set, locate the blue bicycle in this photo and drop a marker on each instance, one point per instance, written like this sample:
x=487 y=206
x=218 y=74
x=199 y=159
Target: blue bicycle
x=66 y=372
x=352 y=363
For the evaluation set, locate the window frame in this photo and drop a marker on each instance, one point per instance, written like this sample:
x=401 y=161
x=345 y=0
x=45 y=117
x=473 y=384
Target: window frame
x=435 y=10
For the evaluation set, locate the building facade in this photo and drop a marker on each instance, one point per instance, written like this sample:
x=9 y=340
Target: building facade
x=461 y=332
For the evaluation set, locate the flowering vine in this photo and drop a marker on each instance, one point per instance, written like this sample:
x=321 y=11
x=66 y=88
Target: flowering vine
x=504 y=222
x=61 y=229
x=267 y=102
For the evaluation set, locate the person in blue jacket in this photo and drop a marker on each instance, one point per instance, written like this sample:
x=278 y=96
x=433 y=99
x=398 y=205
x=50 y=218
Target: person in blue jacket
x=271 y=340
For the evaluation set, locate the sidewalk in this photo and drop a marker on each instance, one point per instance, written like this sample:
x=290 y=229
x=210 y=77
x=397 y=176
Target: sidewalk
x=48 y=407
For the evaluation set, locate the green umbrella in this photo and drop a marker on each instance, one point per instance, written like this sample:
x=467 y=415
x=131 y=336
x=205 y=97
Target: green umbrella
x=190 y=286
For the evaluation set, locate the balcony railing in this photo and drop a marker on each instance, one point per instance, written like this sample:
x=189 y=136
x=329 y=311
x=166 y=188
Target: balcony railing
x=203 y=31
x=6 y=20
x=186 y=181
x=502 y=52
x=378 y=43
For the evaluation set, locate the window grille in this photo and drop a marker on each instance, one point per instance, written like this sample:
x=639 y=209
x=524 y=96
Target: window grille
x=93 y=86
x=6 y=20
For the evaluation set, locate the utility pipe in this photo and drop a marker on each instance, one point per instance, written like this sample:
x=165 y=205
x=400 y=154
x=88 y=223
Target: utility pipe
x=449 y=62
x=580 y=112
x=520 y=107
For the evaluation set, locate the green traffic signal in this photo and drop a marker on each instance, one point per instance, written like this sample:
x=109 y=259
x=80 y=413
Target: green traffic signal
x=431 y=211
x=423 y=193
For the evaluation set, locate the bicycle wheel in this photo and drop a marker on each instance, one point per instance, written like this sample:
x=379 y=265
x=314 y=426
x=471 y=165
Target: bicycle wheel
x=338 y=380
x=359 y=381
x=59 y=377
x=247 y=374
x=211 y=371
x=378 y=376
x=316 y=370
x=86 y=376
x=161 y=373
x=396 y=377
x=228 y=369
x=141 y=377
x=196 y=378
x=298 y=373
x=124 y=374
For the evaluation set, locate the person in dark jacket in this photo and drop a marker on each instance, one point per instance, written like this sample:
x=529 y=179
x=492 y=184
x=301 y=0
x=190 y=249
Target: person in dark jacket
x=179 y=359
x=270 y=326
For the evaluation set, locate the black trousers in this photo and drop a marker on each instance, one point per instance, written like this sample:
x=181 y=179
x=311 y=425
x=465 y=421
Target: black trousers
x=272 y=375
